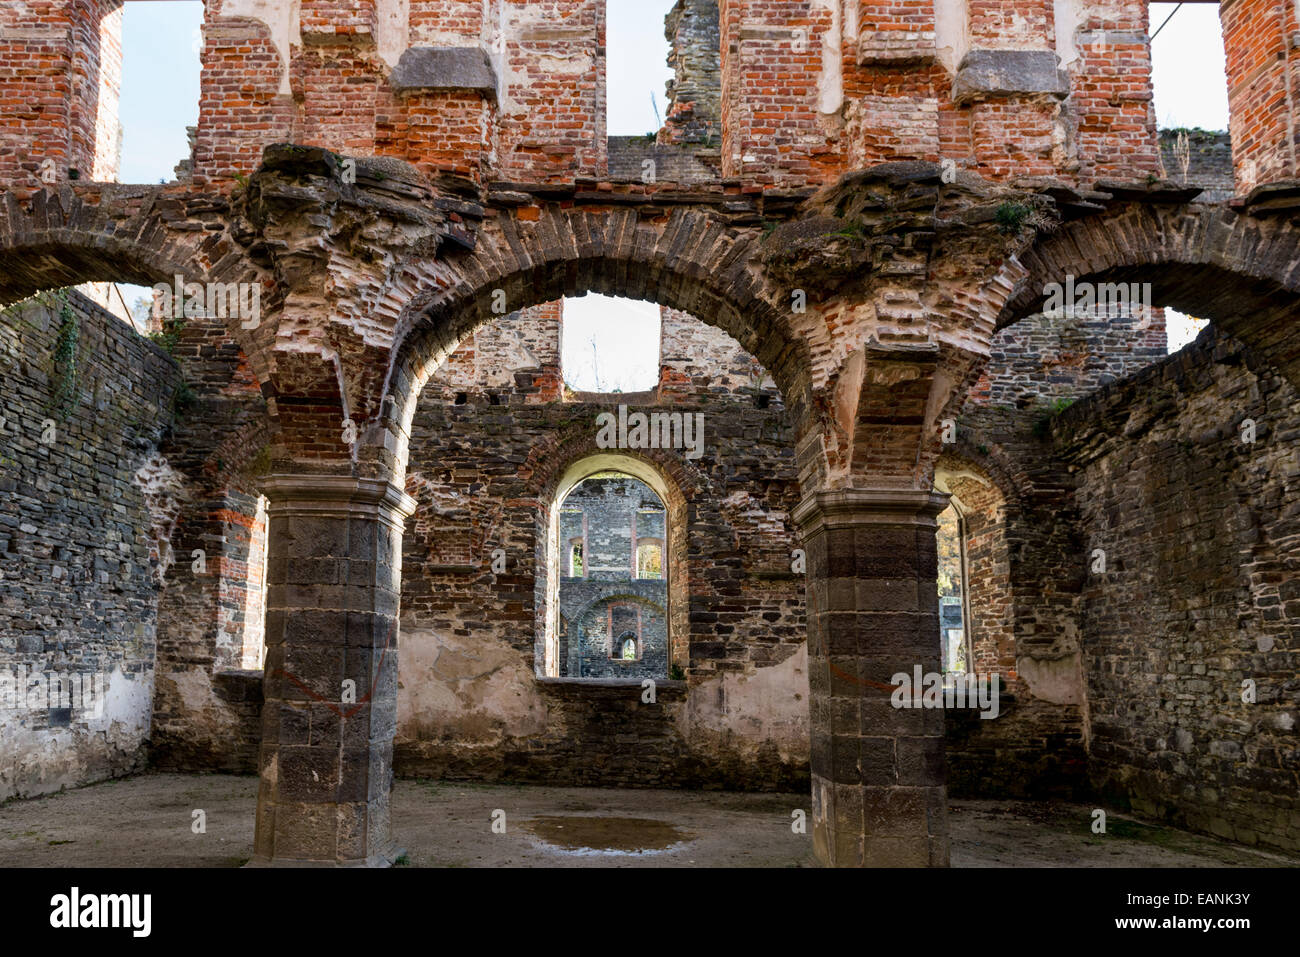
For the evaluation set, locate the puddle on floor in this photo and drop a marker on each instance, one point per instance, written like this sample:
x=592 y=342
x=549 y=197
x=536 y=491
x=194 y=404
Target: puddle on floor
x=574 y=834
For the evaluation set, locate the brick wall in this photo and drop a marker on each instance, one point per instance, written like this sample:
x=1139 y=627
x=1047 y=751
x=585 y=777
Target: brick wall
x=552 y=124
x=1260 y=60
x=780 y=93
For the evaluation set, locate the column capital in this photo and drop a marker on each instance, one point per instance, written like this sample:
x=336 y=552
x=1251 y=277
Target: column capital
x=336 y=495
x=868 y=506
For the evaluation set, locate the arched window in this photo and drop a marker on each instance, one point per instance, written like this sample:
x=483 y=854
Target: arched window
x=952 y=592
x=609 y=570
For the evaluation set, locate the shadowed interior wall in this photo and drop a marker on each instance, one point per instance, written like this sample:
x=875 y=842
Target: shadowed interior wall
x=1189 y=482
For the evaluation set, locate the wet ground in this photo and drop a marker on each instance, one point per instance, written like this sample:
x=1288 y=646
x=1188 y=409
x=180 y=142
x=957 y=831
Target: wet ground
x=150 y=820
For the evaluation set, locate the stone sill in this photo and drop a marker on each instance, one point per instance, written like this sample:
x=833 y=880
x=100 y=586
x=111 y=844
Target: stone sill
x=614 y=684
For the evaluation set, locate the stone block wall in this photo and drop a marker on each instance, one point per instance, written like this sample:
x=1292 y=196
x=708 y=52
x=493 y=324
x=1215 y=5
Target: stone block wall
x=1042 y=359
x=87 y=508
x=1199 y=591
x=1208 y=158
x=694 y=114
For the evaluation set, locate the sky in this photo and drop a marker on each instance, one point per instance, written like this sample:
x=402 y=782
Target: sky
x=160 y=94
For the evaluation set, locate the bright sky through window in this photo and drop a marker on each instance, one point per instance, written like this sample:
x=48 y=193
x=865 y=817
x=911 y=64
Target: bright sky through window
x=160 y=87
x=635 y=65
x=610 y=344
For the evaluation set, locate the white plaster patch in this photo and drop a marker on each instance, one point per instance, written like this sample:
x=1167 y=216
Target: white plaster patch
x=746 y=711
x=164 y=493
x=1069 y=16
x=830 y=81
x=1058 y=680
x=392 y=28
x=476 y=690
x=39 y=760
x=951 y=32
x=281 y=19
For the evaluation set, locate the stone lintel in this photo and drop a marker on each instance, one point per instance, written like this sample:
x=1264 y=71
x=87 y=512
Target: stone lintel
x=445 y=68
x=992 y=73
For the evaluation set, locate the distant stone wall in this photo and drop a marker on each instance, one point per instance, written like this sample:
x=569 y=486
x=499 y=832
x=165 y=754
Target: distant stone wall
x=640 y=159
x=1209 y=163
x=87 y=505
x=1199 y=591
x=1041 y=359
x=606 y=600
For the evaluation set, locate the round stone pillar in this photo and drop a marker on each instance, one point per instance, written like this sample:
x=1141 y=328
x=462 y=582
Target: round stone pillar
x=334 y=573
x=878 y=772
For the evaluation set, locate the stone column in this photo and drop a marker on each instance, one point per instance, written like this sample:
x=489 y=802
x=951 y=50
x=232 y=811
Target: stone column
x=878 y=772
x=333 y=584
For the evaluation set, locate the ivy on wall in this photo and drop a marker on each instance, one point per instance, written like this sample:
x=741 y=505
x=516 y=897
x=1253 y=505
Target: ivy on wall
x=67 y=345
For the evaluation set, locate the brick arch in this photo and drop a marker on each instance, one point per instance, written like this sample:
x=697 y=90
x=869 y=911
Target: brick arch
x=1238 y=270
x=549 y=460
x=141 y=236
x=995 y=466
x=692 y=262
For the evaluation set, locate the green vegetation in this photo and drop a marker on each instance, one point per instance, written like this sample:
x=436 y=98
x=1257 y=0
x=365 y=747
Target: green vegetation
x=67 y=344
x=170 y=335
x=1043 y=424
x=67 y=348
x=1012 y=217
x=183 y=399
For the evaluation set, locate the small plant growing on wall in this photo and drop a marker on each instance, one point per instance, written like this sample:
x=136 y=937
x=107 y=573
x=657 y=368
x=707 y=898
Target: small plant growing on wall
x=67 y=347
x=1012 y=217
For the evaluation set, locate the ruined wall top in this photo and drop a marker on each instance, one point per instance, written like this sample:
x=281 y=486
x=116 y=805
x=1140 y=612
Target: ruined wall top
x=694 y=94
x=788 y=94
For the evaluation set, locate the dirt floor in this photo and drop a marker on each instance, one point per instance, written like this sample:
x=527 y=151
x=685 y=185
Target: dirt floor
x=149 y=820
